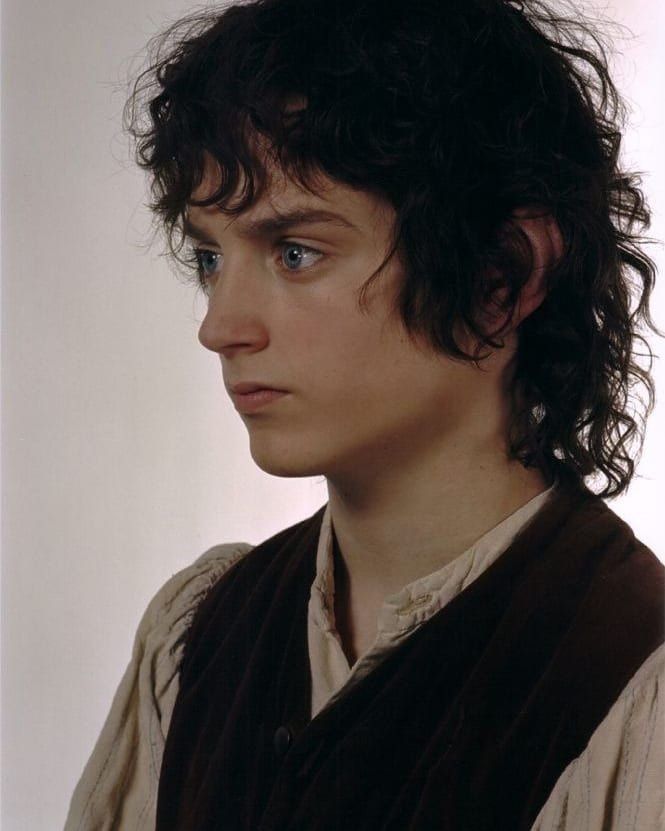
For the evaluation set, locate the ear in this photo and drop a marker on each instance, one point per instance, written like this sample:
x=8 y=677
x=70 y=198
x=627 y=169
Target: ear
x=546 y=241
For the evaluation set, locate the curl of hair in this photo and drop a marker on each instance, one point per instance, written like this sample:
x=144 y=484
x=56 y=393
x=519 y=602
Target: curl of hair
x=458 y=114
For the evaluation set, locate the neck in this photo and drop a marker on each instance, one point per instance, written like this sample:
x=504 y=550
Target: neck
x=403 y=525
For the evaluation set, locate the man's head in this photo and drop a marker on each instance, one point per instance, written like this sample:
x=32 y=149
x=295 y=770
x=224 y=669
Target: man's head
x=364 y=395
x=478 y=136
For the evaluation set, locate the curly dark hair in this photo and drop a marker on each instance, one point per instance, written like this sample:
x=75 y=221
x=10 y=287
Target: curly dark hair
x=459 y=114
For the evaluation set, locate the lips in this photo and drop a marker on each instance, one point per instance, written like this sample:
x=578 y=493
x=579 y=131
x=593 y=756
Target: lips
x=251 y=402
x=252 y=386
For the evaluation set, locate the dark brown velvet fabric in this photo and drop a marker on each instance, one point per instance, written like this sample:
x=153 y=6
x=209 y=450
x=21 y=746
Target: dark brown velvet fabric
x=466 y=725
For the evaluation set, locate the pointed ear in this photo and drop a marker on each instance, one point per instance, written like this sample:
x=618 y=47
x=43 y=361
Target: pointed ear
x=546 y=241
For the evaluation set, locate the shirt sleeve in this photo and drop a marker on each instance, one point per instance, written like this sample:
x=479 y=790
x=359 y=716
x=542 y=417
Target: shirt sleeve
x=618 y=782
x=118 y=786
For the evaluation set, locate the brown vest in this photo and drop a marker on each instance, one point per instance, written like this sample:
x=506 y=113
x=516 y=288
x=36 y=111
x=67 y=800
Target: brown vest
x=466 y=725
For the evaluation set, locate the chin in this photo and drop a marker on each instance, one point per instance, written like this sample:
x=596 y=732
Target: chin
x=286 y=461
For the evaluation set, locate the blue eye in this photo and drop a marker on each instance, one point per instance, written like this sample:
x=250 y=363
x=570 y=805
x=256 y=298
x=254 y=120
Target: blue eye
x=293 y=257
x=206 y=261
x=295 y=254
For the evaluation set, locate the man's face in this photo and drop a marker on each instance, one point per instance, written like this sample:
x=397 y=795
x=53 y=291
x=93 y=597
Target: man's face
x=283 y=310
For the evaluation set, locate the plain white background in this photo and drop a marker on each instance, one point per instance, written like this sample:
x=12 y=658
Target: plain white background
x=122 y=459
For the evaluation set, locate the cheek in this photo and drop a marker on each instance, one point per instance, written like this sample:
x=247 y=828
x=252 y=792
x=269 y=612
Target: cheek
x=344 y=359
x=350 y=357
x=363 y=375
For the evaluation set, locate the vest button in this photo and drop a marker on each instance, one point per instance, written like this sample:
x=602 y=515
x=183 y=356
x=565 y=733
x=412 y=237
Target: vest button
x=282 y=740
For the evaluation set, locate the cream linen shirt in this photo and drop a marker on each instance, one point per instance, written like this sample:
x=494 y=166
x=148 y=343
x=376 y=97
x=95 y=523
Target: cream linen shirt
x=616 y=784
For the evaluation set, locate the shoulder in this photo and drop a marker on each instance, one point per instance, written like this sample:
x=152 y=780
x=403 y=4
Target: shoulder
x=119 y=782
x=614 y=592
x=625 y=601
x=614 y=645
x=172 y=607
x=618 y=781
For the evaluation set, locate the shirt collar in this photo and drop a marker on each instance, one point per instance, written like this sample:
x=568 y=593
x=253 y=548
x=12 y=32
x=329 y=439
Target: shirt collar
x=424 y=596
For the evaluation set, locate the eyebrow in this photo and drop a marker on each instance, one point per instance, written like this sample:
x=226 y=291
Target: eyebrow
x=279 y=222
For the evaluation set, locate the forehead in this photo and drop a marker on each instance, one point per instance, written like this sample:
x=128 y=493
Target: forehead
x=284 y=195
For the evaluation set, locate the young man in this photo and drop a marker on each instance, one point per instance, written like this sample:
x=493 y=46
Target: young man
x=417 y=247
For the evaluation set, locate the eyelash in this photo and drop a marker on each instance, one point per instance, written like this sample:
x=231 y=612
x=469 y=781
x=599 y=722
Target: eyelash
x=196 y=255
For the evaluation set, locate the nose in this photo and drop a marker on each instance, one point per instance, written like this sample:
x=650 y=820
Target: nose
x=234 y=319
